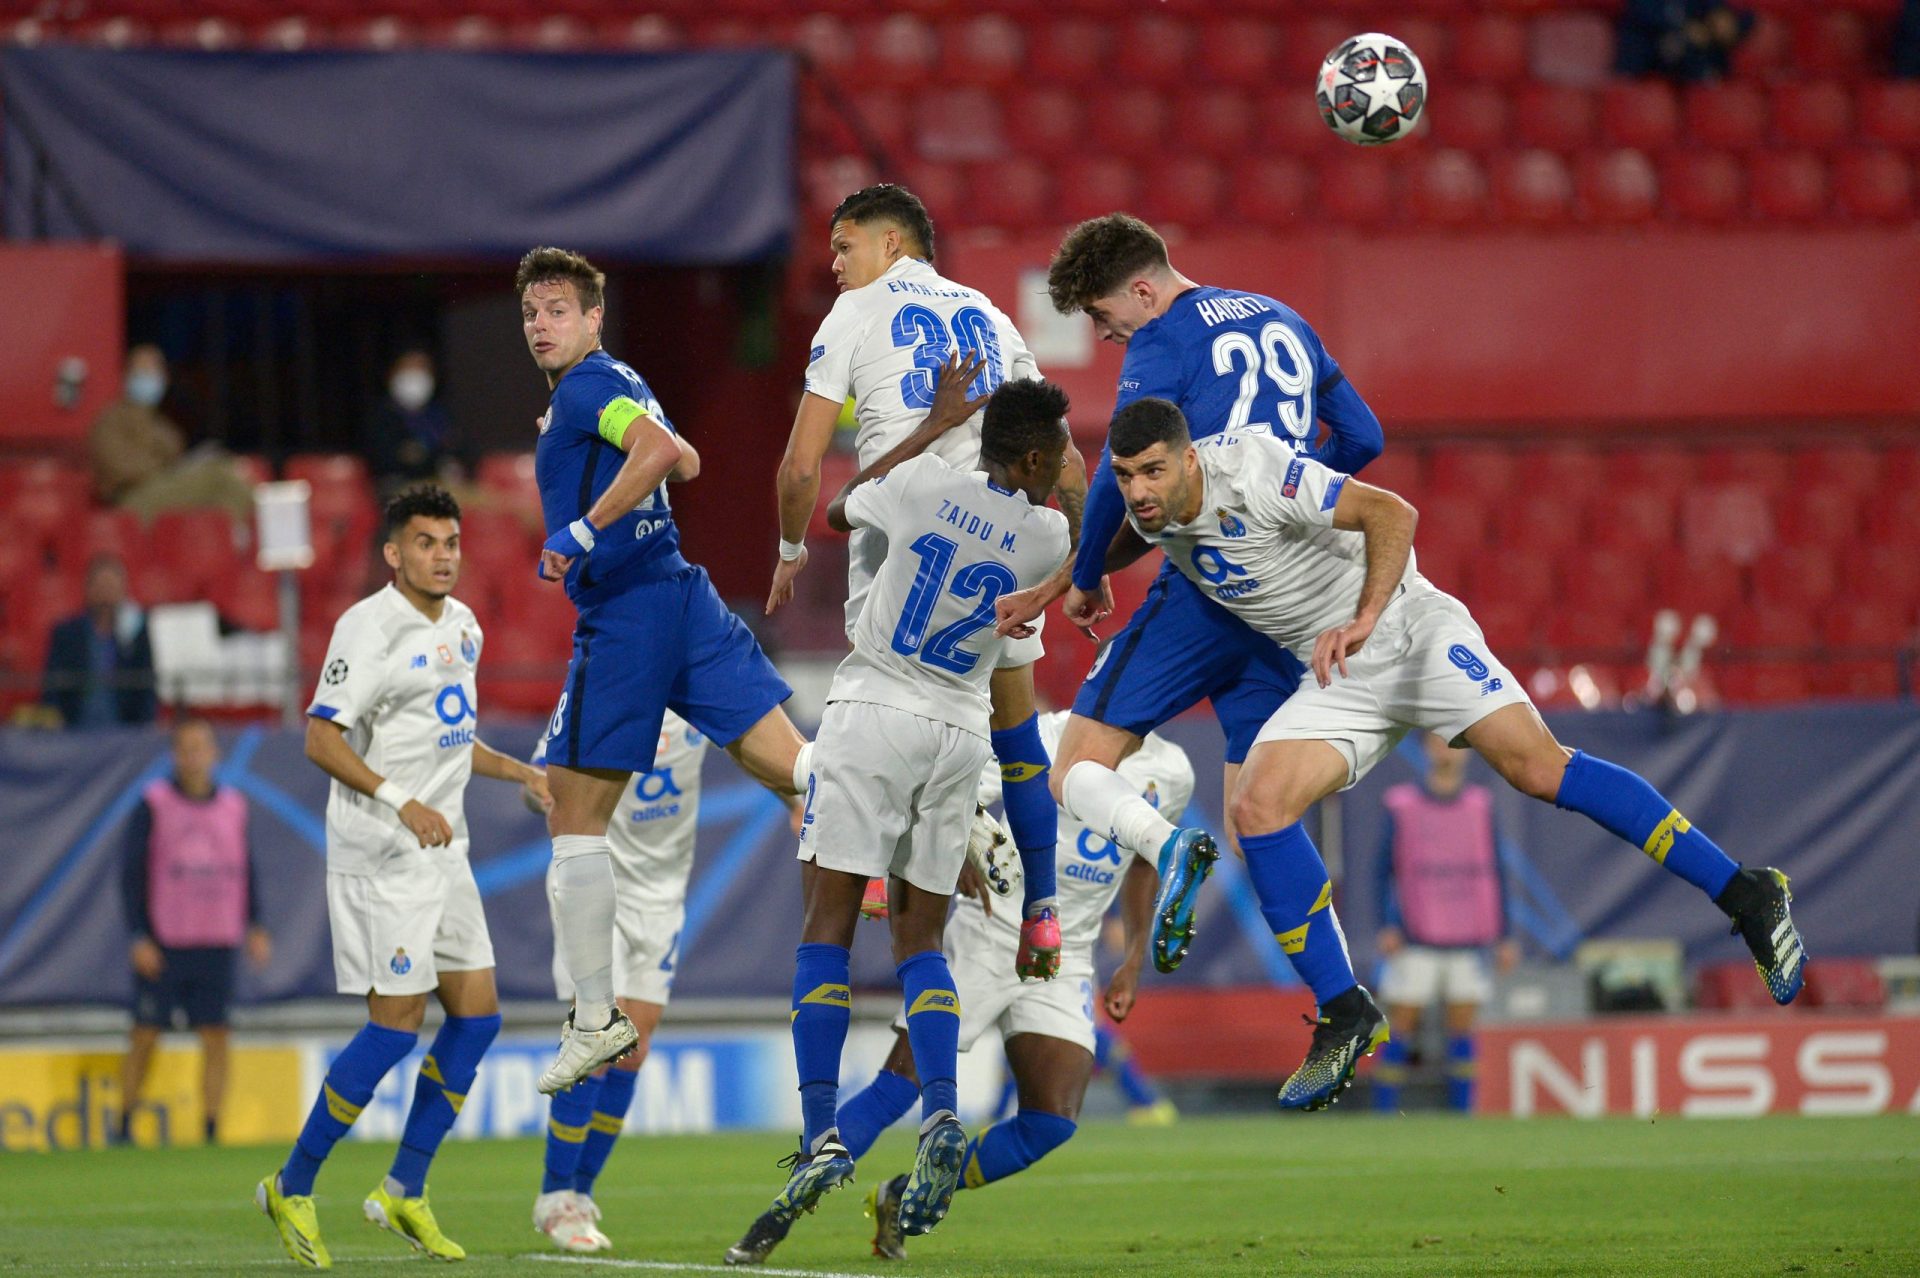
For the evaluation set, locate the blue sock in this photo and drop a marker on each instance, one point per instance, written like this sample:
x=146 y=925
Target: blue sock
x=609 y=1119
x=567 y=1117
x=1389 y=1075
x=933 y=1029
x=822 y=1009
x=348 y=1087
x=1296 y=899
x=1622 y=803
x=1012 y=1146
x=1460 y=1071
x=1032 y=814
x=1110 y=1052
x=446 y=1076
x=873 y=1109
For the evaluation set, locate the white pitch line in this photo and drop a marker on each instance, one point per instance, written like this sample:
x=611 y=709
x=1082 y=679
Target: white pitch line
x=683 y=1267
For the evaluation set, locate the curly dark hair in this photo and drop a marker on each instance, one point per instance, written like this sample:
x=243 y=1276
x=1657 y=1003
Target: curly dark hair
x=890 y=202
x=1100 y=255
x=428 y=501
x=1144 y=423
x=1023 y=416
x=548 y=265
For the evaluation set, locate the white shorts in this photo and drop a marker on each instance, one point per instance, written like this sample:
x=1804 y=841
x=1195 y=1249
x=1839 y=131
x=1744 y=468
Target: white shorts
x=893 y=793
x=1416 y=976
x=866 y=550
x=397 y=929
x=1426 y=665
x=980 y=954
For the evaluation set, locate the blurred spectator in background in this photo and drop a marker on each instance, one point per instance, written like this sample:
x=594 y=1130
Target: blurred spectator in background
x=1684 y=40
x=410 y=437
x=187 y=884
x=1442 y=906
x=140 y=457
x=1906 y=40
x=100 y=663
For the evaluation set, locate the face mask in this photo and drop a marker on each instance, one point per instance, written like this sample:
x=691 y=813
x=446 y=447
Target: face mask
x=411 y=389
x=146 y=388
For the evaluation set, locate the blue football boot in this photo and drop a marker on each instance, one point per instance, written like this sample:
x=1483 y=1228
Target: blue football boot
x=935 y=1176
x=828 y=1167
x=1186 y=858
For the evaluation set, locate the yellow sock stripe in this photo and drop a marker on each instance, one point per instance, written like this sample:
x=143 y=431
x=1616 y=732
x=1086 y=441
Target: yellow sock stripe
x=455 y=1099
x=606 y=1124
x=971 y=1176
x=1660 y=842
x=1325 y=898
x=935 y=1001
x=1021 y=771
x=342 y=1109
x=1293 y=940
x=1462 y=1069
x=430 y=1068
x=571 y=1135
x=830 y=995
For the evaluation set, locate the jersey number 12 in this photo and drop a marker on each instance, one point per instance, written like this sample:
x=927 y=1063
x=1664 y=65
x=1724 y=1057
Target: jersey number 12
x=986 y=580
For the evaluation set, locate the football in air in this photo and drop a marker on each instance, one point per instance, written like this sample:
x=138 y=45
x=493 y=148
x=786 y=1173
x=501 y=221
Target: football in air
x=1371 y=90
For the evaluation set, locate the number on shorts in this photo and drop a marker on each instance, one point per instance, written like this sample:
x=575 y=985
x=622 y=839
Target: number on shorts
x=986 y=579
x=1463 y=656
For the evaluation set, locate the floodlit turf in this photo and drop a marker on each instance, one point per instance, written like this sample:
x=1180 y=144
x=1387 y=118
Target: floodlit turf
x=1285 y=1194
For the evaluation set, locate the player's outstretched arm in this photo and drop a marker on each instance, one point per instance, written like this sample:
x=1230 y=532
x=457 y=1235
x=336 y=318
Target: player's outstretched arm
x=1137 y=891
x=327 y=747
x=1354 y=437
x=490 y=763
x=797 y=484
x=950 y=408
x=1386 y=521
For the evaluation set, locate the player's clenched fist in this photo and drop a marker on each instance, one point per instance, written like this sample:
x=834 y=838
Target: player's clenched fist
x=575 y=541
x=427 y=825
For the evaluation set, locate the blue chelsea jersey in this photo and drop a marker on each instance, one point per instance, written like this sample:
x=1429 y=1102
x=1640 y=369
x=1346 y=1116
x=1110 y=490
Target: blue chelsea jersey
x=1232 y=361
x=574 y=465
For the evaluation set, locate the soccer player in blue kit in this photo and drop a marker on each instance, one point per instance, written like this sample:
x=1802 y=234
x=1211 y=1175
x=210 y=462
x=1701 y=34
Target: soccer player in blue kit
x=1233 y=361
x=651 y=632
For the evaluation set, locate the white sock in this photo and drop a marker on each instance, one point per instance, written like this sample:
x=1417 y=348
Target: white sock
x=582 y=888
x=1101 y=799
x=803 y=768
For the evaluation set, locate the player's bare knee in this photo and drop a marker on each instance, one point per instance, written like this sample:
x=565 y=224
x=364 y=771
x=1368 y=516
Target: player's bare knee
x=1539 y=772
x=1257 y=809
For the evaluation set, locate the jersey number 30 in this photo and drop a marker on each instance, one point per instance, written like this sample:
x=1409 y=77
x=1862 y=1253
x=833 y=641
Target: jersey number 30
x=986 y=580
x=1233 y=350
x=923 y=329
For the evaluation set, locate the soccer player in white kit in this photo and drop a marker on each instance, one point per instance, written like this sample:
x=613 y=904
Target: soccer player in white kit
x=1324 y=564
x=898 y=758
x=393 y=723
x=895 y=324
x=1048 y=1026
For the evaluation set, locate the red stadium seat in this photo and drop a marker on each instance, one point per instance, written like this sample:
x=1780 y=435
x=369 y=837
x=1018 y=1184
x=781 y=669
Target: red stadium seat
x=1474 y=118
x=1401 y=469
x=1729 y=987
x=1764 y=467
x=1900 y=466
x=1473 y=473
x=1802 y=577
x=1186 y=191
x=1699 y=583
x=1510 y=628
x=249 y=599
x=1619 y=187
x=1576 y=630
x=328 y=470
x=1533 y=188
x=1308 y=42
x=646 y=33
x=1357 y=188
x=1237 y=51
x=1560 y=469
x=986 y=51
x=941 y=187
x=1658 y=468
x=1877 y=678
x=1640 y=113
x=1597 y=578
x=1525 y=578
x=101 y=532
x=1557 y=117
x=1271 y=191
x=1544 y=523
x=825 y=182
x=828 y=40
x=1045 y=123
x=197 y=545
x=1895 y=519
x=1874 y=185
x=1635 y=519
x=1016 y=193
x=1490 y=47
x=1152 y=49
x=1704 y=186
x=1571 y=48
x=1821 y=514
x=1448 y=188
x=1817 y=114
x=1727 y=115
x=1127 y=122
x=899 y=52
x=1789 y=186
x=1847 y=983
x=1867 y=623
x=1431 y=41
x=1070 y=52
x=1764 y=54
x=1889 y=111
x=1831 y=43
x=1095 y=187
x=1854 y=467
x=1784 y=629
x=1216 y=122
x=958 y=125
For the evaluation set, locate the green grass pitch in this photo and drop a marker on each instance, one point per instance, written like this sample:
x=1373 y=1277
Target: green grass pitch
x=1283 y=1194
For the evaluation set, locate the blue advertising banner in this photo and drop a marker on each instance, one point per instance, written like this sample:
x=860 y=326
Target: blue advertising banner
x=278 y=157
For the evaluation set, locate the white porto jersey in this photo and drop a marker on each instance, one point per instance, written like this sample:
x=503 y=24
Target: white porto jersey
x=654 y=824
x=1264 y=544
x=1090 y=865
x=925 y=641
x=884 y=344
x=403 y=688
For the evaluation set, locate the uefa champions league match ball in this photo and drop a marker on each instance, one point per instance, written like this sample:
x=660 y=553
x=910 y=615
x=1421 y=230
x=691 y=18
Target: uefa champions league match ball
x=1371 y=90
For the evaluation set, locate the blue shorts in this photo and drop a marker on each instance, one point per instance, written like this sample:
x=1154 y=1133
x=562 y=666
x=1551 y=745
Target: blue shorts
x=197 y=983
x=1178 y=647
x=650 y=645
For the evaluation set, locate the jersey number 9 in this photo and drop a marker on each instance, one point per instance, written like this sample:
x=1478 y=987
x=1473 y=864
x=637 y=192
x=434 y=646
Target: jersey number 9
x=1240 y=350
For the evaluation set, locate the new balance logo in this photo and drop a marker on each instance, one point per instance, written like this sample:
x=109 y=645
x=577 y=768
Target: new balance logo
x=1491 y=685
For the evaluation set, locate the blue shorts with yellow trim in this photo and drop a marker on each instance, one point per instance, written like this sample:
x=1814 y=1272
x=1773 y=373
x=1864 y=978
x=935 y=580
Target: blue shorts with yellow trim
x=1179 y=648
x=650 y=645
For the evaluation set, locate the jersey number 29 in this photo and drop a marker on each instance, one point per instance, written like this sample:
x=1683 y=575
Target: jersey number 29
x=922 y=328
x=1233 y=350
x=986 y=579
